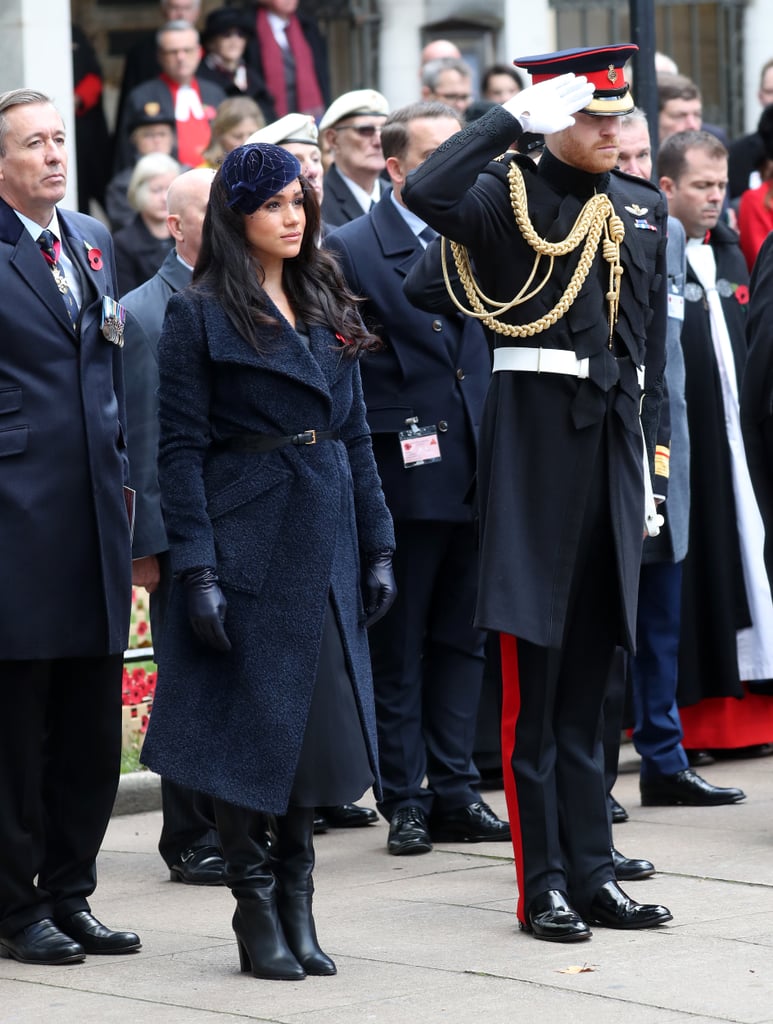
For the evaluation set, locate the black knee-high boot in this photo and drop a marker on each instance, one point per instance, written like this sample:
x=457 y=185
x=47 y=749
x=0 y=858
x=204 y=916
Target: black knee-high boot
x=263 y=948
x=292 y=860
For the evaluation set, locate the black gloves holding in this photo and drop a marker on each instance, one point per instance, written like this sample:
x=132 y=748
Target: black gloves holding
x=378 y=586
x=206 y=607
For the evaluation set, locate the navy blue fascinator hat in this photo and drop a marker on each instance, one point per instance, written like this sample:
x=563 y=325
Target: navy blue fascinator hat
x=254 y=173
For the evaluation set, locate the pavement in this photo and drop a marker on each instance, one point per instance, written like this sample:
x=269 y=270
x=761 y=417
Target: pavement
x=433 y=939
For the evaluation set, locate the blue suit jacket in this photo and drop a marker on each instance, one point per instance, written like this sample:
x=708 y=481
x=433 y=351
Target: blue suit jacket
x=64 y=537
x=146 y=307
x=432 y=366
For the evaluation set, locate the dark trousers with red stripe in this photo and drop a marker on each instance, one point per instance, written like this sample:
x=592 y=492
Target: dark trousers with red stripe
x=552 y=728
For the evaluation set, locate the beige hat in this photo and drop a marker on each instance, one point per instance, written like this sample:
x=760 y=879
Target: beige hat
x=353 y=104
x=290 y=128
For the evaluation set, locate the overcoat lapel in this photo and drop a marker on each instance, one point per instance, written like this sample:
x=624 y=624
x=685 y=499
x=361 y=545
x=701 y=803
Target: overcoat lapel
x=28 y=262
x=94 y=283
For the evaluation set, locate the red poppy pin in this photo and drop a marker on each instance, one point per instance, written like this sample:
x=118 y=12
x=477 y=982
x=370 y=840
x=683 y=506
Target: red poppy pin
x=741 y=294
x=94 y=257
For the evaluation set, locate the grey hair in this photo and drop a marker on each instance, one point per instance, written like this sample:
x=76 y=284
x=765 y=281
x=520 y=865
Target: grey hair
x=175 y=26
x=433 y=69
x=17 y=98
x=149 y=166
x=636 y=116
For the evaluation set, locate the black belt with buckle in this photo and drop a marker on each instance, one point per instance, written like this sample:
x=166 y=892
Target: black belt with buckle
x=268 y=442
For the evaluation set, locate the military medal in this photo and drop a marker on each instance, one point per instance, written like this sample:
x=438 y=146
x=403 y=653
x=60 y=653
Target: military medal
x=113 y=317
x=61 y=281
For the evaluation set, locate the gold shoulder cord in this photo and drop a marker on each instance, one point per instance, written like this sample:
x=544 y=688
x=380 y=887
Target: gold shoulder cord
x=596 y=217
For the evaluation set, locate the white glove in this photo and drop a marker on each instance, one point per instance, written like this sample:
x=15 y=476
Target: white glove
x=548 y=107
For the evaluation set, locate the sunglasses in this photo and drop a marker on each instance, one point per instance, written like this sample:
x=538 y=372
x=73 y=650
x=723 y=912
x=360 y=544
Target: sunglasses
x=365 y=131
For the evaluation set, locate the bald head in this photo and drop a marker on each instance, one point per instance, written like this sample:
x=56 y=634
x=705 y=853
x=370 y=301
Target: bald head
x=186 y=203
x=439 y=48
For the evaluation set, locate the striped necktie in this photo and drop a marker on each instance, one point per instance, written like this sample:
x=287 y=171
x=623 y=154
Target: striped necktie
x=50 y=247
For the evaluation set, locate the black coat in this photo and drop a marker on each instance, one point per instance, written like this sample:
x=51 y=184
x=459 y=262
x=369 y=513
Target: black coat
x=155 y=94
x=64 y=540
x=757 y=392
x=138 y=254
x=338 y=203
x=317 y=45
x=256 y=87
x=539 y=431
x=284 y=530
x=433 y=367
x=714 y=602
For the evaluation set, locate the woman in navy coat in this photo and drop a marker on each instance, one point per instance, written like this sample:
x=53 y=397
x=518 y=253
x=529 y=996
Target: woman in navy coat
x=280 y=543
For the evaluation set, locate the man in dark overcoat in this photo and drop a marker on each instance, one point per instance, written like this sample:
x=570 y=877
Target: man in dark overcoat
x=64 y=547
x=727 y=617
x=428 y=380
x=561 y=466
x=188 y=842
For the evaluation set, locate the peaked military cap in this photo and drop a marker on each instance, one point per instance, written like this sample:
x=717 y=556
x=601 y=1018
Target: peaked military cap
x=290 y=128
x=603 y=66
x=354 y=104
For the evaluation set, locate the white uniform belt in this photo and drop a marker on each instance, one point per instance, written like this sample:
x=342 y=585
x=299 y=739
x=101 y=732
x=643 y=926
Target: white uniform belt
x=540 y=360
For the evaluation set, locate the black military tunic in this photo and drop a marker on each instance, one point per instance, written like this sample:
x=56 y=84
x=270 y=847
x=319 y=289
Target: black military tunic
x=560 y=480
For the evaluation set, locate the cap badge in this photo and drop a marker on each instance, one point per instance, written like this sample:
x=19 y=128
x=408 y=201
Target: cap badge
x=636 y=210
x=612 y=73
x=152 y=109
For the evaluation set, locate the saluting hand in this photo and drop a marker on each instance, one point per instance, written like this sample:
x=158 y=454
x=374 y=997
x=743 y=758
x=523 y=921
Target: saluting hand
x=548 y=106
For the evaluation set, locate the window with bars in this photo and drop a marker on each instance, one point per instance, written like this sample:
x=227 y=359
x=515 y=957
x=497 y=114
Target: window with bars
x=705 y=40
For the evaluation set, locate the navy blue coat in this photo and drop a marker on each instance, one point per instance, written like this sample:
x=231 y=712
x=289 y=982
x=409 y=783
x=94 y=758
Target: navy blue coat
x=434 y=367
x=64 y=535
x=283 y=529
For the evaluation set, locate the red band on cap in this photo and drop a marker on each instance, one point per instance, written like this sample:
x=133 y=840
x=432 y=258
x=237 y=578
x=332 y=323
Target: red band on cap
x=611 y=79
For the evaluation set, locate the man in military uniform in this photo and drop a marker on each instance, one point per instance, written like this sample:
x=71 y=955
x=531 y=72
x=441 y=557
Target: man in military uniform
x=569 y=275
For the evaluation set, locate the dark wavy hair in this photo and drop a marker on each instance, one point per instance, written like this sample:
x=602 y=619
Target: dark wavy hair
x=227 y=270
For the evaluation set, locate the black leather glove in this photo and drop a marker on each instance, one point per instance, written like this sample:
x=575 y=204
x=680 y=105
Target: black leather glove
x=206 y=607
x=378 y=587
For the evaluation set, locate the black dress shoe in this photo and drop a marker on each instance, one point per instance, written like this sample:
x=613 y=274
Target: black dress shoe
x=611 y=908
x=95 y=937
x=42 y=943
x=742 y=753
x=348 y=816
x=321 y=824
x=551 y=918
x=686 y=787
x=475 y=823
x=408 y=832
x=628 y=869
x=699 y=758
x=617 y=812
x=199 y=865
